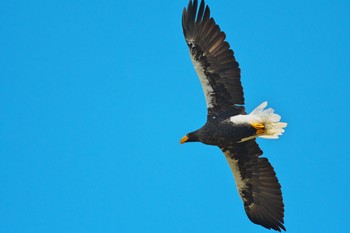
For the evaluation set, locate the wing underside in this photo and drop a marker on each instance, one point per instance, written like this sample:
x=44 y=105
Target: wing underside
x=257 y=184
x=213 y=60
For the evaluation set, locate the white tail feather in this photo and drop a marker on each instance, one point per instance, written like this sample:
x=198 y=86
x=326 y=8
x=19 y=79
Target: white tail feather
x=271 y=121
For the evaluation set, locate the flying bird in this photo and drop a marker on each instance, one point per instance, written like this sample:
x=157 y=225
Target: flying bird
x=228 y=125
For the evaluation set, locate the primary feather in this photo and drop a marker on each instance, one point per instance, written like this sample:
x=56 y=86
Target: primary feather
x=228 y=126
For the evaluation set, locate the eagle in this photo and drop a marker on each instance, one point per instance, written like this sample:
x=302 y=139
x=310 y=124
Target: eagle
x=228 y=126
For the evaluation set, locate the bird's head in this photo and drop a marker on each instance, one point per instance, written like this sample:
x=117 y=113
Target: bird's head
x=190 y=137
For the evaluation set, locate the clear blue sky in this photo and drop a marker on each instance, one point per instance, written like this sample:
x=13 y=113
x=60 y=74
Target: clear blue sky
x=95 y=95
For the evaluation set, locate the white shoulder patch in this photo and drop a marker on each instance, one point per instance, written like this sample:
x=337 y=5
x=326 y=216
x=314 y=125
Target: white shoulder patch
x=240 y=183
x=207 y=89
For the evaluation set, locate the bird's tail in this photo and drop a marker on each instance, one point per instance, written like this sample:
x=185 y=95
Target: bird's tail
x=268 y=123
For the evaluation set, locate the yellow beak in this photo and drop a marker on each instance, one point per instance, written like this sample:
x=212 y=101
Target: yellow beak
x=184 y=139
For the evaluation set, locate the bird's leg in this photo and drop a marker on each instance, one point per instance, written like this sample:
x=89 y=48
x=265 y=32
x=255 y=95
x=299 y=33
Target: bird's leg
x=260 y=128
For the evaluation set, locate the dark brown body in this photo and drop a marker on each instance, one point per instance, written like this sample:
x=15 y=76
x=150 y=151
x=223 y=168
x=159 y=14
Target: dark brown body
x=222 y=133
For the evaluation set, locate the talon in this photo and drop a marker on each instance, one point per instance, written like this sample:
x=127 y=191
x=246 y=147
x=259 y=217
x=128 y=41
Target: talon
x=260 y=128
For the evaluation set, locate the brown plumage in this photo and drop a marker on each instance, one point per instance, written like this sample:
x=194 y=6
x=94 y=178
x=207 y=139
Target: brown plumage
x=228 y=126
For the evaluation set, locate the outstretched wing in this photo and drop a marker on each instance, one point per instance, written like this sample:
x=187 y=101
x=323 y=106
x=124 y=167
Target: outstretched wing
x=213 y=60
x=257 y=184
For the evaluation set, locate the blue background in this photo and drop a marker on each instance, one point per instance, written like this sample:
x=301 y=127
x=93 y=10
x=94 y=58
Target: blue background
x=95 y=95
